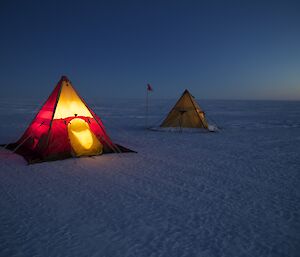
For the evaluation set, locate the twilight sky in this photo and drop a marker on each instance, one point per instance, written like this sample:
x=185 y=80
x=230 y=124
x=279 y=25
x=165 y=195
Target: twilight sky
x=217 y=49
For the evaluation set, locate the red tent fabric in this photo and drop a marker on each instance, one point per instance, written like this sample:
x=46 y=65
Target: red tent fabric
x=47 y=136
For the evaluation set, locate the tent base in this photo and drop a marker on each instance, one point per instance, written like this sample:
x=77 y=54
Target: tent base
x=185 y=130
x=34 y=158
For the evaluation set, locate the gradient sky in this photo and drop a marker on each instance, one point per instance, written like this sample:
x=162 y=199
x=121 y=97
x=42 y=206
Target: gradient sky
x=217 y=49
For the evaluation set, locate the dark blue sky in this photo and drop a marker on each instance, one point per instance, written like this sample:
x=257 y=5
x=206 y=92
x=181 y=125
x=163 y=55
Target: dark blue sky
x=217 y=49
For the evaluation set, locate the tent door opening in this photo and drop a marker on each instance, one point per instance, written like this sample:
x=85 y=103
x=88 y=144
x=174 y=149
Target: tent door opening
x=82 y=139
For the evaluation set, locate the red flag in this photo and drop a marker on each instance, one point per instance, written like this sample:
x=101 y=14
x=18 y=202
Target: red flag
x=149 y=88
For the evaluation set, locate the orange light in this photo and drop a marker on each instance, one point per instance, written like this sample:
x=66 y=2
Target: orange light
x=69 y=104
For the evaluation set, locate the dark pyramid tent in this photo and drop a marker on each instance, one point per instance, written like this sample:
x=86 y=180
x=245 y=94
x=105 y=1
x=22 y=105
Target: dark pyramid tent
x=64 y=127
x=186 y=114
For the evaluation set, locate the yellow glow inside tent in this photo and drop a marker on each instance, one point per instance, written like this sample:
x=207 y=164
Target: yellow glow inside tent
x=82 y=139
x=69 y=104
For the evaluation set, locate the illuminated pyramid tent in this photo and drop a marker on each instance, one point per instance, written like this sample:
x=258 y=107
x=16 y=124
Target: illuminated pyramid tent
x=185 y=114
x=64 y=127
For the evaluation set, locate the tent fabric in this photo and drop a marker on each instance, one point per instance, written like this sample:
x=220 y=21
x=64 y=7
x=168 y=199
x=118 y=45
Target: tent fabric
x=64 y=127
x=69 y=103
x=186 y=114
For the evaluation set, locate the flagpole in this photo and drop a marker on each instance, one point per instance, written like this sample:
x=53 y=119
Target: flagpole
x=147 y=108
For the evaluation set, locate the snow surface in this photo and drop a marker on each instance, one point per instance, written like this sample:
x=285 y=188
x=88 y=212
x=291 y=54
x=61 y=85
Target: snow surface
x=230 y=193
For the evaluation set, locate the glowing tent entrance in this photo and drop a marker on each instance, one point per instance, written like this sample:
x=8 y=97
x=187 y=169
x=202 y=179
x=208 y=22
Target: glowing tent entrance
x=64 y=127
x=185 y=114
x=82 y=139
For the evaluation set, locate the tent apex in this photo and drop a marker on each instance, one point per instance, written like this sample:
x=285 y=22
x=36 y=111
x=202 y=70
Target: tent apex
x=186 y=92
x=64 y=78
